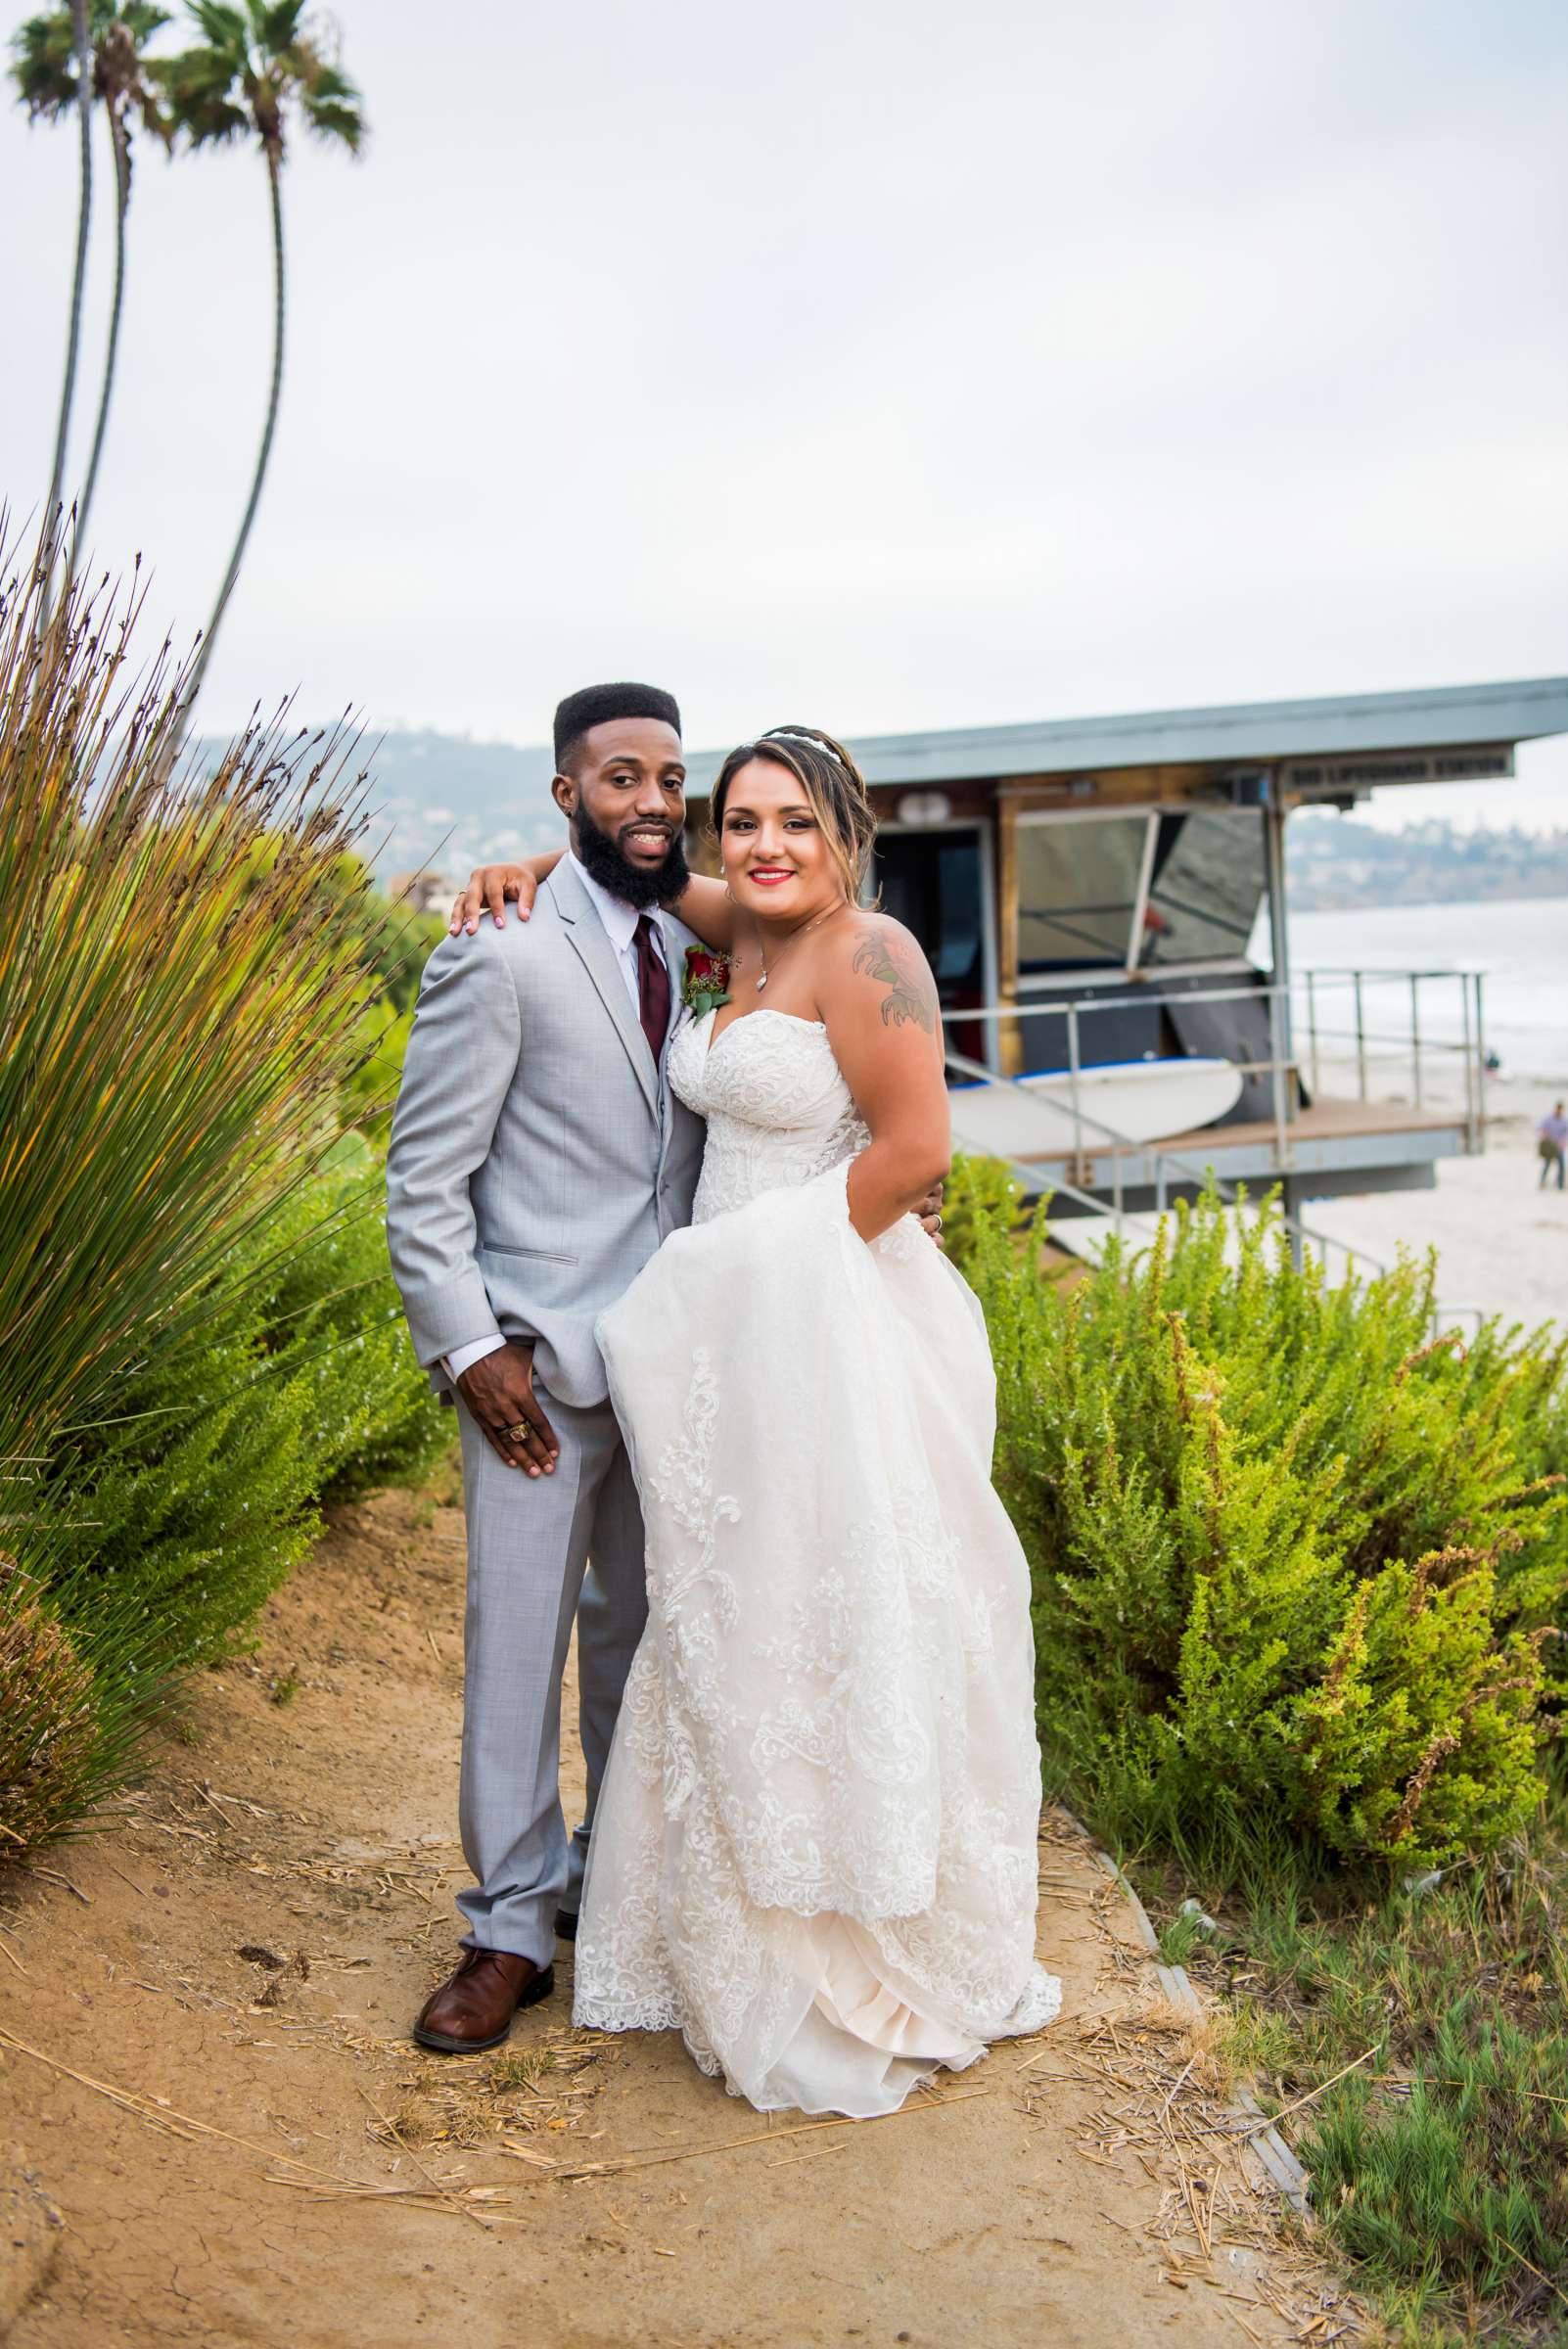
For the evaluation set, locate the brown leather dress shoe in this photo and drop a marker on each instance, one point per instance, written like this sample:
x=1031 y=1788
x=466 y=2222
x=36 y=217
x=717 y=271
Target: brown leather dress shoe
x=475 y=2004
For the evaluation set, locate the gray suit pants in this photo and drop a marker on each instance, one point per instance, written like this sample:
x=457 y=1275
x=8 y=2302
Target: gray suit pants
x=529 y=1539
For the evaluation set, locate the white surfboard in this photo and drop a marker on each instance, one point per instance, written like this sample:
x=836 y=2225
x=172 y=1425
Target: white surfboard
x=1139 y=1100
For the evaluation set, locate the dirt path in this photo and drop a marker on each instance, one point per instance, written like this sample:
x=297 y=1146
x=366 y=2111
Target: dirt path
x=245 y=1952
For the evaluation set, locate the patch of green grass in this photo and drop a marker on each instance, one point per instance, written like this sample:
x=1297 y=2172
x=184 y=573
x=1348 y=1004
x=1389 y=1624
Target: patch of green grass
x=1456 y=2188
x=1439 y=2161
x=1259 y=2046
x=1181 y=1935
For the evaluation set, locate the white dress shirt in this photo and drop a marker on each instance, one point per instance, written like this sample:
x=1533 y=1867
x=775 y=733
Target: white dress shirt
x=621 y=927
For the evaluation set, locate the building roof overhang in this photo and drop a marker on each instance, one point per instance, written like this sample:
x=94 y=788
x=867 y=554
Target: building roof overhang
x=1240 y=735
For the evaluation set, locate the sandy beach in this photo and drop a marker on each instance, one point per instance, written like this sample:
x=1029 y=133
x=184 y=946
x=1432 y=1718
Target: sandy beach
x=1502 y=1241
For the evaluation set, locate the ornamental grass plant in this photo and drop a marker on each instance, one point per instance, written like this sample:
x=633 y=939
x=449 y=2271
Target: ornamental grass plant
x=176 y=1014
x=185 y=957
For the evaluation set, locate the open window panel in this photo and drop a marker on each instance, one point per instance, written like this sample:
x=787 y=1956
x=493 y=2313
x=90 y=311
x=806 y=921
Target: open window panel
x=1080 y=881
x=1109 y=903
x=1207 y=877
x=1130 y=891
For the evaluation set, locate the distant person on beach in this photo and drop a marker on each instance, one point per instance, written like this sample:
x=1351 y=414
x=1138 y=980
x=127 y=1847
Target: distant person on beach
x=1552 y=1144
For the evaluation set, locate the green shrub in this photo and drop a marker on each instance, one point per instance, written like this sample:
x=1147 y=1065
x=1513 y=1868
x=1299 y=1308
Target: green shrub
x=395 y=944
x=196 y=1499
x=979 y=1192
x=333 y=1307
x=1293 y=1561
x=369 y=1094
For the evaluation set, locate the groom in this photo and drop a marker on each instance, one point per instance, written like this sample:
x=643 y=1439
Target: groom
x=537 y=1158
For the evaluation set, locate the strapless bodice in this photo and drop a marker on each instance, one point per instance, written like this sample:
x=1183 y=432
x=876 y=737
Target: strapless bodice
x=778 y=1107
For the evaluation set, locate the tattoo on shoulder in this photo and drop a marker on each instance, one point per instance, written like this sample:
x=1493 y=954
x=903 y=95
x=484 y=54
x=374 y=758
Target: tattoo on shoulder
x=886 y=958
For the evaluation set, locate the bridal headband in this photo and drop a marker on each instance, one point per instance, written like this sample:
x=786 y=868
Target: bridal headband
x=793 y=734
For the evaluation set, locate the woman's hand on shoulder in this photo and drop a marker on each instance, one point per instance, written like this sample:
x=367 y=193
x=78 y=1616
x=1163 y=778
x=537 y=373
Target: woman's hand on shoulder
x=709 y=912
x=491 y=888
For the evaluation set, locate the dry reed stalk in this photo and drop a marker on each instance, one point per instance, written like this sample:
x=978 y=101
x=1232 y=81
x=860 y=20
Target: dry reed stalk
x=616 y=2165
x=207 y=1796
x=161 y=2116
x=422 y=2198
x=401 y=2143
x=1271 y=2120
x=1536 y=2272
x=55 y=1877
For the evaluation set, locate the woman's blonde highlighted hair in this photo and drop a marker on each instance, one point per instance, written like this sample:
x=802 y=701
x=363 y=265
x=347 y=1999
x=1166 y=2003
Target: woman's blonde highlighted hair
x=834 y=791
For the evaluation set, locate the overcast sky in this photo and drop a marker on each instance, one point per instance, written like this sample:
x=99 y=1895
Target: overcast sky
x=882 y=367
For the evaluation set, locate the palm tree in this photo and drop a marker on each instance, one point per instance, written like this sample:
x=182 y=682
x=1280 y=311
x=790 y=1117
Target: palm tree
x=253 y=62
x=48 y=77
x=28 y=62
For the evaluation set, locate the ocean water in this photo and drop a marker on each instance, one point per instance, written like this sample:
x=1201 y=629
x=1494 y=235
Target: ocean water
x=1520 y=945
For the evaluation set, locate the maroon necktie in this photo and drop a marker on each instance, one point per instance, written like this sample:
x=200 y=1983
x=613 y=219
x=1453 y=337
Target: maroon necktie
x=653 y=988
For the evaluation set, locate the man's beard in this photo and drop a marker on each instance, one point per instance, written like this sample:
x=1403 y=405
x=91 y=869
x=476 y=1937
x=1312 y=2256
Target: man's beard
x=636 y=885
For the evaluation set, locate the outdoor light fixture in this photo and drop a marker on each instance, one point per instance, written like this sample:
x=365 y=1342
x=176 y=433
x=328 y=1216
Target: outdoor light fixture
x=924 y=807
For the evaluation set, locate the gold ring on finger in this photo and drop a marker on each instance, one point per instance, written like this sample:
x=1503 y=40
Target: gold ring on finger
x=520 y=1433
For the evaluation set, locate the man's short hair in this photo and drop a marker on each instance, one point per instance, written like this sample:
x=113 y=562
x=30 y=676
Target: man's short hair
x=598 y=705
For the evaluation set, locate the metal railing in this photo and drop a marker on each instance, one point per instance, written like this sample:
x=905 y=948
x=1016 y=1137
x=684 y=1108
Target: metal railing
x=1412 y=1051
x=1170 y=1167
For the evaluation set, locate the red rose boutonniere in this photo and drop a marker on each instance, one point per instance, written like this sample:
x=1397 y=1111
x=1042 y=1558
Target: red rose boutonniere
x=705 y=982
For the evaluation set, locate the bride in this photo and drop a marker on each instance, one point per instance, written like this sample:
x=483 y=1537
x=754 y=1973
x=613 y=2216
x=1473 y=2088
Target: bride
x=815 y=1847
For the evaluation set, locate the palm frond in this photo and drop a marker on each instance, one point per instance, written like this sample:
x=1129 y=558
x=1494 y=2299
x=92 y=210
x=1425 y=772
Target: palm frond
x=332 y=119
x=254 y=60
x=196 y=85
x=225 y=28
x=277 y=27
x=156 y=118
x=324 y=80
x=44 y=65
x=44 y=70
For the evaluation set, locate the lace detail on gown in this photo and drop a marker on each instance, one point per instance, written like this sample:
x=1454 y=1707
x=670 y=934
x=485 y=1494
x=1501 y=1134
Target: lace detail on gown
x=814 y=1850
x=778 y=1107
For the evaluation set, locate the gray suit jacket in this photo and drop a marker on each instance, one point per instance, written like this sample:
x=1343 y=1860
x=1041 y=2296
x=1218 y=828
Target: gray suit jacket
x=538 y=1156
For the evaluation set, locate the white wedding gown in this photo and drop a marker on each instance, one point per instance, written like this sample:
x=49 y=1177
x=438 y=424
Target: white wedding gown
x=815 y=1848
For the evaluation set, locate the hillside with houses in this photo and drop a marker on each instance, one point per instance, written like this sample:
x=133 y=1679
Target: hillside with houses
x=1333 y=863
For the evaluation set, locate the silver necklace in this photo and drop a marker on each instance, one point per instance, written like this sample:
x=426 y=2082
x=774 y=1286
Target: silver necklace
x=815 y=923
